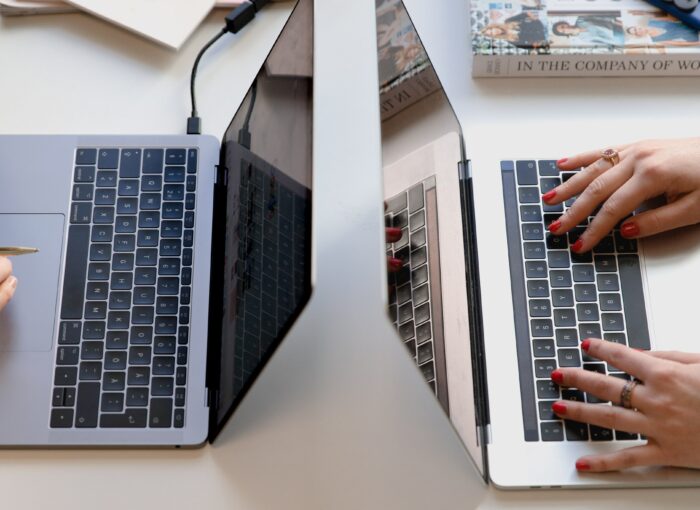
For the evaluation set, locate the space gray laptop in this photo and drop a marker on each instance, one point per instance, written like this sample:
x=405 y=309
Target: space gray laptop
x=169 y=267
x=488 y=304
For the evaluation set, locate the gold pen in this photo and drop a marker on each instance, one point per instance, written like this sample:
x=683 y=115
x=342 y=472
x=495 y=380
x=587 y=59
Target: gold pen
x=17 y=250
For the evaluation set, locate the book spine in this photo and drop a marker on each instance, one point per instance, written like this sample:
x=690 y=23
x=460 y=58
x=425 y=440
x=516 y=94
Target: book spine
x=581 y=65
x=395 y=98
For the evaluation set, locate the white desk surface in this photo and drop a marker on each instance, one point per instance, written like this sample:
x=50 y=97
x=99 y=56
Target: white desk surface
x=292 y=444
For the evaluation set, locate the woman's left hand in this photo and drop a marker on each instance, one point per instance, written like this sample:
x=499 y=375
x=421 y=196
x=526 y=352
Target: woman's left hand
x=665 y=407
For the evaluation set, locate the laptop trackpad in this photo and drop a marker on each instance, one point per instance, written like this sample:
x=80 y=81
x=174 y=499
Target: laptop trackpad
x=27 y=322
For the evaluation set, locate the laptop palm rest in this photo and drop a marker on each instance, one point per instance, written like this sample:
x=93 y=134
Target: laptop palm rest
x=28 y=321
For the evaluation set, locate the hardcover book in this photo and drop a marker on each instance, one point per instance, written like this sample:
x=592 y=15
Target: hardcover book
x=579 y=38
x=405 y=73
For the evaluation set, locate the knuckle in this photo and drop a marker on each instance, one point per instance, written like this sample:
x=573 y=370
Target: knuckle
x=610 y=207
x=664 y=374
x=597 y=189
x=652 y=170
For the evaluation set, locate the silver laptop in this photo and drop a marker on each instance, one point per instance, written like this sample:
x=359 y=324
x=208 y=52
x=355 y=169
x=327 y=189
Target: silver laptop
x=169 y=267
x=488 y=304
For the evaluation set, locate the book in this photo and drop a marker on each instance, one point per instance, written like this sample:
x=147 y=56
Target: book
x=405 y=72
x=29 y=7
x=525 y=38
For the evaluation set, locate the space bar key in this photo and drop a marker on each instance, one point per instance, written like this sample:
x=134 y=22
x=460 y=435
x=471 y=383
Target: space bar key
x=132 y=418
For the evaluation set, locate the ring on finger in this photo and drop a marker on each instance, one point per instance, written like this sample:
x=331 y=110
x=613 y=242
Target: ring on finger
x=626 y=394
x=611 y=156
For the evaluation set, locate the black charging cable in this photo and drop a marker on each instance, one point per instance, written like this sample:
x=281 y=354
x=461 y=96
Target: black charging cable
x=235 y=21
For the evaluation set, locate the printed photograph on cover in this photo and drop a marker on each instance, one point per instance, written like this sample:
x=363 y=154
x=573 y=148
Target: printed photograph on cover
x=498 y=26
x=652 y=27
x=586 y=29
x=399 y=49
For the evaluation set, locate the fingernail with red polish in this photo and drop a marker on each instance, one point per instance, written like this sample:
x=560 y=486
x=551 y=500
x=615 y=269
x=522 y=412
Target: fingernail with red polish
x=576 y=247
x=559 y=408
x=630 y=229
x=554 y=226
x=549 y=195
x=557 y=376
x=586 y=344
x=562 y=161
x=393 y=233
x=395 y=264
x=582 y=465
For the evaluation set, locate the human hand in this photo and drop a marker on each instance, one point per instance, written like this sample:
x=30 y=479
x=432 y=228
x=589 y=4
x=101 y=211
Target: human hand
x=8 y=283
x=646 y=170
x=393 y=235
x=667 y=406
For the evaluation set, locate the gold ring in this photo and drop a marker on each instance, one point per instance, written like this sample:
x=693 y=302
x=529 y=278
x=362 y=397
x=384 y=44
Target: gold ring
x=626 y=393
x=611 y=156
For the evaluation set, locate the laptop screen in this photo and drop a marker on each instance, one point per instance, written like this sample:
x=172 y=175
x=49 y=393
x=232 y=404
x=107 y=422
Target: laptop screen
x=430 y=243
x=265 y=235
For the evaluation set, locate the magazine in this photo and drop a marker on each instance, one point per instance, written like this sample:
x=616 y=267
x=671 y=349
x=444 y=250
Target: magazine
x=580 y=38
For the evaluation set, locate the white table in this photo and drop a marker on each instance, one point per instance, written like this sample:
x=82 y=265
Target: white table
x=329 y=424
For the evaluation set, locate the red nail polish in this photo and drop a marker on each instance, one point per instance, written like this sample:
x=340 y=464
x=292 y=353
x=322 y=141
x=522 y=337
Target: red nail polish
x=396 y=264
x=554 y=226
x=576 y=247
x=630 y=229
x=562 y=161
x=586 y=344
x=582 y=465
x=549 y=195
x=559 y=408
x=557 y=376
x=393 y=232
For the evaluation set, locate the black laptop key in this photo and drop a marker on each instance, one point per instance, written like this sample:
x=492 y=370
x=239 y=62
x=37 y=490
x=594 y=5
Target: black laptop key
x=540 y=308
x=65 y=376
x=152 y=161
x=112 y=403
x=544 y=368
x=69 y=332
x=548 y=168
x=585 y=293
x=530 y=213
x=191 y=161
x=69 y=355
x=150 y=201
x=164 y=344
x=174 y=174
x=61 y=418
x=536 y=269
x=106 y=179
x=90 y=371
x=130 y=163
x=610 y=302
x=117 y=340
x=105 y=196
x=175 y=156
x=123 y=262
x=57 y=398
x=103 y=215
x=547 y=390
x=186 y=277
x=624 y=245
x=146 y=257
x=80 y=213
x=171 y=228
x=172 y=210
x=189 y=201
x=125 y=224
x=534 y=250
x=558 y=259
x=187 y=257
x=162 y=386
x=84 y=174
x=188 y=238
x=132 y=418
x=168 y=286
x=147 y=238
x=137 y=397
x=551 y=431
x=85 y=156
x=75 y=272
x=564 y=317
x=95 y=309
x=124 y=243
x=545 y=410
x=144 y=295
x=144 y=276
x=526 y=172
x=562 y=298
x=532 y=231
x=587 y=312
x=127 y=205
x=142 y=315
x=87 y=405
x=168 y=266
x=583 y=272
x=612 y=322
x=170 y=247
x=569 y=357
x=121 y=281
x=557 y=242
x=138 y=376
x=547 y=184
x=108 y=158
x=173 y=192
x=625 y=436
x=180 y=395
x=529 y=195
x=140 y=355
x=591 y=330
x=189 y=220
x=83 y=192
x=576 y=431
x=160 y=413
x=115 y=360
x=183 y=334
x=163 y=365
x=600 y=433
x=100 y=252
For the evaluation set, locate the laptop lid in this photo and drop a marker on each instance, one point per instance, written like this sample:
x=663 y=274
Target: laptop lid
x=423 y=156
x=261 y=253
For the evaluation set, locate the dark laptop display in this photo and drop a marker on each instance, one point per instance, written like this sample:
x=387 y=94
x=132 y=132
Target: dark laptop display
x=262 y=235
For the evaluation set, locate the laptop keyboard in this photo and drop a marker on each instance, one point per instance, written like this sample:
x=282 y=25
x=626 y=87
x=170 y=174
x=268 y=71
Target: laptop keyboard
x=122 y=350
x=410 y=297
x=271 y=265
x=561 y=298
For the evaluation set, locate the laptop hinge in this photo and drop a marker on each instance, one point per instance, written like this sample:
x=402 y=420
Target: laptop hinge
x=213 y=398
x=221 y=175
x=474 y=300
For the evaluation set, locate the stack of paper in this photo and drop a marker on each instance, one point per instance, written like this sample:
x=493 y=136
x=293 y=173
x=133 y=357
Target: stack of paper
x=168 y=22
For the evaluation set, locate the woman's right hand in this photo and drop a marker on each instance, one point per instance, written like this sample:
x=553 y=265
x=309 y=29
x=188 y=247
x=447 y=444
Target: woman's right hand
x=8 y=283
